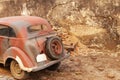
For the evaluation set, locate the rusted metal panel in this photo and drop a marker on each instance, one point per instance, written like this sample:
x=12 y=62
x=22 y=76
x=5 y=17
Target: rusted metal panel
x=24 y=47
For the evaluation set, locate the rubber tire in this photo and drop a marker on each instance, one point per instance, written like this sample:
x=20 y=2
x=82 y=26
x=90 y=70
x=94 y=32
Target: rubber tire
x=54 y=67
x=21 y=76
x=49 y=51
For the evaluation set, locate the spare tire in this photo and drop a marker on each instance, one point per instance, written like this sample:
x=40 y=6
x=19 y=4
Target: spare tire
x=54 y=48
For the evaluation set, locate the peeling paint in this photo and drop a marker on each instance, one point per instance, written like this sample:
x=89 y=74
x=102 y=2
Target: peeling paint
x=22 y=66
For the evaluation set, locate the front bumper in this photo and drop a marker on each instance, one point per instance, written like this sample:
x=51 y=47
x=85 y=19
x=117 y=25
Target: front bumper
x=40 y=67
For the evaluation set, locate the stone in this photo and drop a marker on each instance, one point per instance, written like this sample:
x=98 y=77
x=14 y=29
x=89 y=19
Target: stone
x=100 y=68
x=110 y=75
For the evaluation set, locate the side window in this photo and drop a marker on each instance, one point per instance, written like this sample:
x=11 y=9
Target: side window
x=11 y=33
x=6 y=31
x=44 y=27
x=37 y=28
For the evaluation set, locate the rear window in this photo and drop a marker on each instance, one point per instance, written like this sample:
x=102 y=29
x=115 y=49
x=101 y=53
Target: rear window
x=7 y=31
x=37 y=28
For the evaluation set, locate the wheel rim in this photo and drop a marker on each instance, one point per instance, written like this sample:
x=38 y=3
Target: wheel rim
x=56 y=47
x=16 y=70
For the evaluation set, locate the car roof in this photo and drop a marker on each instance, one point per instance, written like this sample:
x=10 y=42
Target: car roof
x=20 y=21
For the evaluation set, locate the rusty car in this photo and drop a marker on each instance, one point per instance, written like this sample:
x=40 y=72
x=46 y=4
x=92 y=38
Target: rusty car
x=29 y=44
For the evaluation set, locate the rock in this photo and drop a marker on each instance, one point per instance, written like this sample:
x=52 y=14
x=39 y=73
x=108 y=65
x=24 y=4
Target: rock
x=93 y=57
x=110 y=75
x=100 y=68
x=79 y=73
x=44 y=78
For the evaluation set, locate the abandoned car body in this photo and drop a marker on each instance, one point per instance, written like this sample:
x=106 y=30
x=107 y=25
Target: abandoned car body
x=28 y=44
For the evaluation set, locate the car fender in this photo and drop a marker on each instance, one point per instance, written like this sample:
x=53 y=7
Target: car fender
x=17 y=54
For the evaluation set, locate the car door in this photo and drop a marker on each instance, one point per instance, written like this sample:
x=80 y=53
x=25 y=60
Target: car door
x=4 y=40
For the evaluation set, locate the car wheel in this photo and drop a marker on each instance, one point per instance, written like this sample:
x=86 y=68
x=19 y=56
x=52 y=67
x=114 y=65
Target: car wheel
x=16 y=71
x=54 y=67
x=54 y=48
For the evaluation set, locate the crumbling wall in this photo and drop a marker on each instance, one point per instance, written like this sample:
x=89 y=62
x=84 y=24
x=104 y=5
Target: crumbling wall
x=96 y=23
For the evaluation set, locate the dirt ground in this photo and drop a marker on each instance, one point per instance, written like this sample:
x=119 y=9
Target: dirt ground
x=89 y=64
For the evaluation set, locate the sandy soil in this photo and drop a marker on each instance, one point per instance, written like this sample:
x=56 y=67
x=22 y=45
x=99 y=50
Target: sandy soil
x=89 y=64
